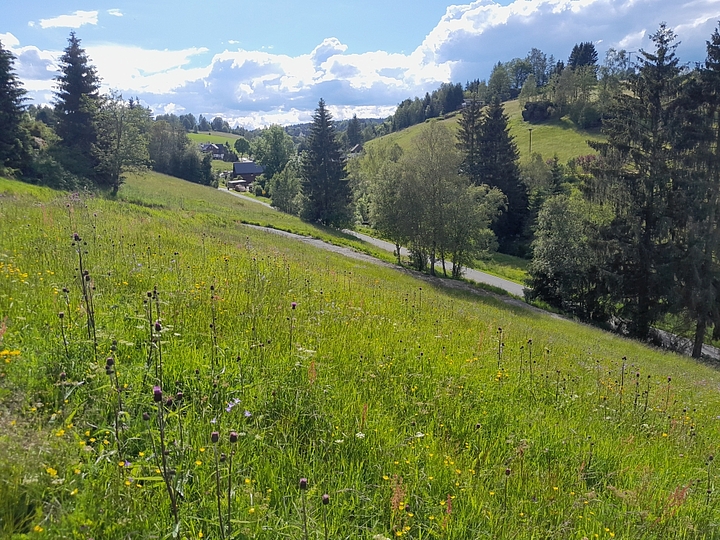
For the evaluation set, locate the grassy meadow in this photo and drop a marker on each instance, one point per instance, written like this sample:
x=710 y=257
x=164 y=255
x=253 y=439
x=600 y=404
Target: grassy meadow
x=166 y=371
x=557 y=137
x=214 y=137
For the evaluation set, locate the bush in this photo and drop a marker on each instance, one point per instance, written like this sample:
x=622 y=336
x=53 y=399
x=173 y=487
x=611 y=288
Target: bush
x=537 y=111
x=585 y=115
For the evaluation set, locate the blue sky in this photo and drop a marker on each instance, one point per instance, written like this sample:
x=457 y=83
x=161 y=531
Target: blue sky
x=256 y=63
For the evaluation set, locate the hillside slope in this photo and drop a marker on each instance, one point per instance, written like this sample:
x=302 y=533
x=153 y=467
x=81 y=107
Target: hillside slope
x=420 y=412
x=558 y=137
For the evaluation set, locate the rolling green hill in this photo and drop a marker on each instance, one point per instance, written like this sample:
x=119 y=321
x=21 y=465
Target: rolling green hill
x=214 y=137
x=167 y=371
x=559 y=137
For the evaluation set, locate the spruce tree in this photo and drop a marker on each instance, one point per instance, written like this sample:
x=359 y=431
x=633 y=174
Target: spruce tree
x=11 y=110
x=326 y=192
x=76 y=103
x=468 y=139
x=498 y=167
x=696 y=206
x=637 y=176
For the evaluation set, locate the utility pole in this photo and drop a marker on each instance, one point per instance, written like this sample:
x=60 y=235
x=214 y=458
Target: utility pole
x=530 y=131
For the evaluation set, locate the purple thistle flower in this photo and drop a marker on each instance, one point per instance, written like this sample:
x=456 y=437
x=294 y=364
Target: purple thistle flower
x=157 y=394
x=215 y=436
x=303 y=484
x=293 y=305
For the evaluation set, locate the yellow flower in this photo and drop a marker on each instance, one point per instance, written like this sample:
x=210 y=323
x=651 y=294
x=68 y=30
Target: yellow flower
x=52 y=472
x=198 y=463
x=247 y=481
x=251 y=510
x=38 y=529
x=74 y=492
x=200 y=534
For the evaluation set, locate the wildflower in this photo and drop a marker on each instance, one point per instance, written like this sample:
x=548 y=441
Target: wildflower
x=158 y=326
x=326 y=499
x=247 y=414
x=293 y=305
x=251 y=510
x=303 y=483
x=157 y=394
x=52 y=472
x=360 y=435
x=214 y=436
x=233 y=437
x=232 y=404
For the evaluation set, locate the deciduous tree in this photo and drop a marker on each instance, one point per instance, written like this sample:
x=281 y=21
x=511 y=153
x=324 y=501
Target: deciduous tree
x=121 y=144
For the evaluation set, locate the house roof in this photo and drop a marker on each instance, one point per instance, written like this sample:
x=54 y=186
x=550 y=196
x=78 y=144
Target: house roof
x=247 y=167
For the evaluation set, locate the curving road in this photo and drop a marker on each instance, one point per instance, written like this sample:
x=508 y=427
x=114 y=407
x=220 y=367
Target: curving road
x=670 y=341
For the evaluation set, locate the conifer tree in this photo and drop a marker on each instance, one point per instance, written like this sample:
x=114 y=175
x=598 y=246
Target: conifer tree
x=77 y=99
x=498 y=167
x=11 y=110
x=326 y=192
x=468 y=135
x=638 y=177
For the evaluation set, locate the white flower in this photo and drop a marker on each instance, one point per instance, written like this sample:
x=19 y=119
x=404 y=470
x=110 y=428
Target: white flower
x=360 y=435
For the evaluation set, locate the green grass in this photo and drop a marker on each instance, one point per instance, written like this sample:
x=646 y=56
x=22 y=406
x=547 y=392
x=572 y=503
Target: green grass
x=220 y=166
x=505 y=266
x=558 y=137
x=213 y=137
x=400 y=399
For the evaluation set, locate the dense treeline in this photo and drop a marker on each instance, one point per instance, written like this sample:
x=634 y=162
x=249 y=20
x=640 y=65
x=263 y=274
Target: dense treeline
x=88 y=139
x=638 y=239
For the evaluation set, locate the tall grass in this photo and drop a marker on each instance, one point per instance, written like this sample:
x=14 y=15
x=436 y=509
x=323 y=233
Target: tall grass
x=386 y=394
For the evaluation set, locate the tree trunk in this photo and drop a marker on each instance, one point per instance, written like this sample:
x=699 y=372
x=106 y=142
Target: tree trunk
x=699 y=336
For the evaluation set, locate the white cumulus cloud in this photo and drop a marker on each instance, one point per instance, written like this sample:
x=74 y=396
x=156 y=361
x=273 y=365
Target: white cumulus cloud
x=115 y=12
x=260 y=87
x=75 y=20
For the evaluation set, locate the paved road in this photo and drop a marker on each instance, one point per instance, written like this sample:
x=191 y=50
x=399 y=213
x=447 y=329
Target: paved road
x=245 y=197
x=676 y=343
x=473 y=275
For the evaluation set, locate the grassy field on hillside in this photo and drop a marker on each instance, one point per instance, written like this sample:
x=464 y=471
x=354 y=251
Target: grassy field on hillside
x=213 y=137
x=167 y=372
x=559 y=137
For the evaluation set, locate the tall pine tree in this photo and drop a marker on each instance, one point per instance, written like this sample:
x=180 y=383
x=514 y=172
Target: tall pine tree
x=11 y=110
x=697 y=204
x=468 y=139
x=76 y=103
x=326 y=192
x=638 y=178
x=497 y=166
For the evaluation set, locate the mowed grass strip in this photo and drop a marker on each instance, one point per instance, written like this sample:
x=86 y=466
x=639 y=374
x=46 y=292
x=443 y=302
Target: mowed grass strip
x=422 y=413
